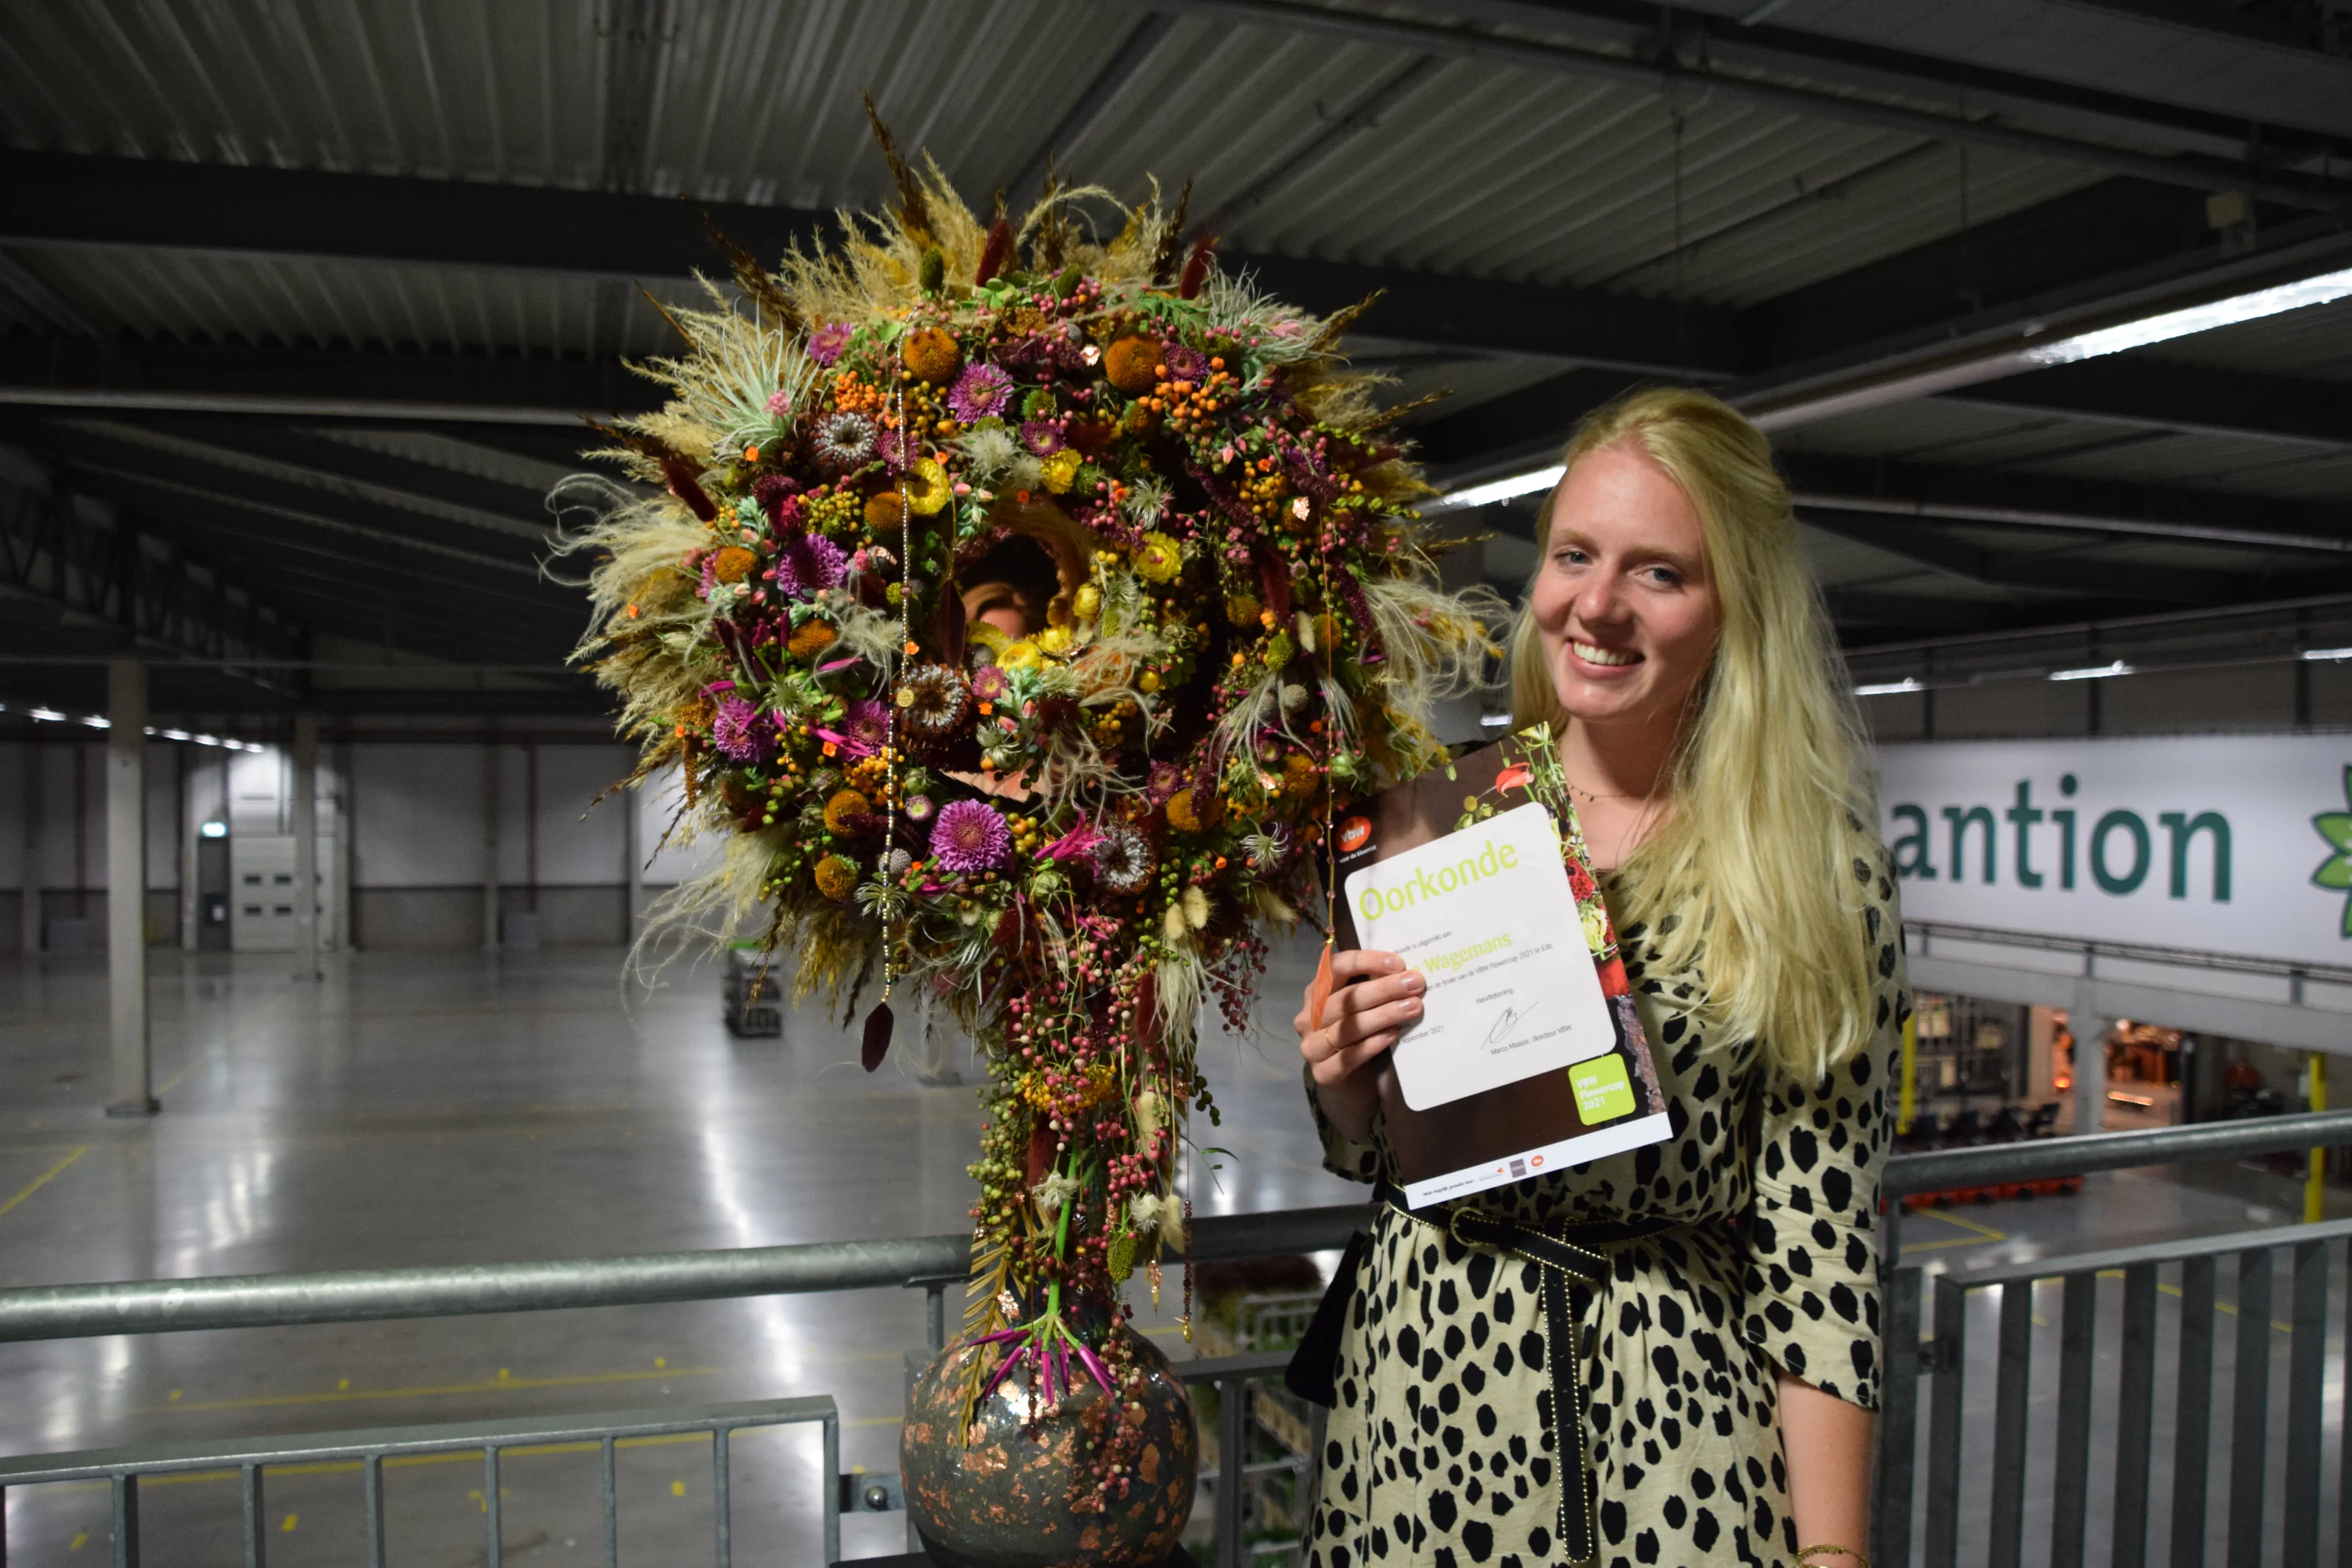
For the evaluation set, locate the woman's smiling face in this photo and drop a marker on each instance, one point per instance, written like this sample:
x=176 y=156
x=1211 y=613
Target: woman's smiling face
x=1623 y=605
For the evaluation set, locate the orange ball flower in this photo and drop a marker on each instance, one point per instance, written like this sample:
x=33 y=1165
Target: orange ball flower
x=933 y=355
x=1132 y=365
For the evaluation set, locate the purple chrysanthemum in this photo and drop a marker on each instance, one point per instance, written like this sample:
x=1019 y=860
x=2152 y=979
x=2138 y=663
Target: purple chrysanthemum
x=741 y=731
x=978 y=393
x=810 y=564
x=1042 y=436
x=826 y=343
x=867 y=722
x=970 y=836
x=1185 y=364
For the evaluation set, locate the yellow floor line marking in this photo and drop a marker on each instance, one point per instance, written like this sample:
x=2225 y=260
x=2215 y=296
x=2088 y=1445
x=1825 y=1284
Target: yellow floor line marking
x=1981 y=1234
x=487 y=1385
x=80 y=1539
x=46 y=1178
x=177 y=1079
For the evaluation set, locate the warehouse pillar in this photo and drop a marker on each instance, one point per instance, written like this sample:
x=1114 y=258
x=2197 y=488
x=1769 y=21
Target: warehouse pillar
x=2090 y=1064
x=491 y=812
x=306 y=847
x=31 y=932
x=632 y=855
x=126 y=887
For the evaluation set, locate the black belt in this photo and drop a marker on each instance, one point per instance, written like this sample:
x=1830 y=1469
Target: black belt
x=1572 y=1270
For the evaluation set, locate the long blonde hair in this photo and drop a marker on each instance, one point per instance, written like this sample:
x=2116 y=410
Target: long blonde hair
x=1769 y=783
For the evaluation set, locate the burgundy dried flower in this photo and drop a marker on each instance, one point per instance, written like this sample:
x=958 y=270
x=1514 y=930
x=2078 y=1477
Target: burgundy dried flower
x=867 y=722
x=970 y=836
x=810 y=564
x=1186 y=364
x=1160 y=786
x=1042 y=436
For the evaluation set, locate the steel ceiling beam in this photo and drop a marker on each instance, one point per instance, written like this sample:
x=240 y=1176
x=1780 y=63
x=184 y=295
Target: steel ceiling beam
x=1668 y=73
x=54 y=199
x=2193 y=399
x=1923 y=542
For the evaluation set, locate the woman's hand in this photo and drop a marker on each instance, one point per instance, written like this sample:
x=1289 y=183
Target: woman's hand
x=1373 y=997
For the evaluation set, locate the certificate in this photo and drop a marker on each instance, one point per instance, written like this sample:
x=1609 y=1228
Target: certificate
x=1488 y=917
x=1529 y=1055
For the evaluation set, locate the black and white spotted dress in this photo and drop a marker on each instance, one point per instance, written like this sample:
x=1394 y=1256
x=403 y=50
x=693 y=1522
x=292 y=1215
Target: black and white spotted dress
x=1438 y=1454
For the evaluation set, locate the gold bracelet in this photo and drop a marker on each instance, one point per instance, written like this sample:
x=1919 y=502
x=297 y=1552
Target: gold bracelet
x=1803 y=1552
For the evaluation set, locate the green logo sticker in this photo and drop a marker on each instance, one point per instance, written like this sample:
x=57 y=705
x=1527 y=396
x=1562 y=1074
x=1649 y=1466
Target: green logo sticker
x=1602 y=1091
x=2335 y=873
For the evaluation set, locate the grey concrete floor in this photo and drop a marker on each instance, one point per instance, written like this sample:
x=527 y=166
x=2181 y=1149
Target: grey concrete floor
x=428 y=1108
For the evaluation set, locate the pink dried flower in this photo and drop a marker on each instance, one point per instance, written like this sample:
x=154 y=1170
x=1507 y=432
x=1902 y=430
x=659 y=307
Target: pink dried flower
x=980 y=392
x=1042 y=436
x=990 y=684
x=828 y=341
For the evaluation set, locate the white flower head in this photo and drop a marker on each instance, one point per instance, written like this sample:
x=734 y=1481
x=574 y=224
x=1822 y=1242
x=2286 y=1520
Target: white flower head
x=1051 y=1191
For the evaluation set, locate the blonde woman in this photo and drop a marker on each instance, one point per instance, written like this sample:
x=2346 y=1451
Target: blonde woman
x=1728 y=1360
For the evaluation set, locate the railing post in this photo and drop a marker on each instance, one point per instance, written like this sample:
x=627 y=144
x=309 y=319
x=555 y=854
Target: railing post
x=1944 y=1424
x=2192 y=1409
x=611 y=1508
x=1898 y=1418
x=1232 y=1395
x=2013 y=1389
x=126 y=1521
x=256 y=1542
x=722 y=1497
x=831 y=1457
x=2135 y=1415
x=2076 y=1350
x=493 y=1541
x=2306 y=1377
x=2250 y=1409
x=372 y=1470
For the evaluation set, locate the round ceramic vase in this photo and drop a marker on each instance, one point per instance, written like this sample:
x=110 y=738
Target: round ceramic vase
x=999 y=1495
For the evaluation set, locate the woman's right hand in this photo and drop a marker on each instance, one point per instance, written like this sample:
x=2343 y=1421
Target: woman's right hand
x=1374 y=999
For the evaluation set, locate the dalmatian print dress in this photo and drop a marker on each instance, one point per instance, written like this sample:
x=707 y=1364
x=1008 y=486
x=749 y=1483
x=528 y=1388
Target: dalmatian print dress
x=1439 y=1452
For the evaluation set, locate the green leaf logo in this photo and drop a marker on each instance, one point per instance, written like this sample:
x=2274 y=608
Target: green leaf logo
x=2335 y=873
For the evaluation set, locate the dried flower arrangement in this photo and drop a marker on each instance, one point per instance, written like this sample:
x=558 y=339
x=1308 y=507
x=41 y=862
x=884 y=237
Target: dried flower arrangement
x=1073 y=836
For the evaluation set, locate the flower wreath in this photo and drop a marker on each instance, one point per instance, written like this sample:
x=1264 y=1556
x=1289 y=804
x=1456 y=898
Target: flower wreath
x=1071 y=836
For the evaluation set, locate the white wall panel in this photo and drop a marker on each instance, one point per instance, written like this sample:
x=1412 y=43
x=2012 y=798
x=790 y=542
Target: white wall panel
x=577 y=847
x=416 y=812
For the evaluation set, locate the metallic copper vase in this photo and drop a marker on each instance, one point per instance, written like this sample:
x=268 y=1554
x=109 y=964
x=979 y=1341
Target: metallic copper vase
x=999 y=1495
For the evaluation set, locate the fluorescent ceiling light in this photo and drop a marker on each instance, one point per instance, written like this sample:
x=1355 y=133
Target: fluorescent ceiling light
x=207 y=740
x=2181 y=324
x=2092 y=672
x=174 y=735
x=1494 y=721
x=1888 y=688
x=213 y=830
x=50 y=714
x=1504 y=488
x=2320 y=654
x=97 y=721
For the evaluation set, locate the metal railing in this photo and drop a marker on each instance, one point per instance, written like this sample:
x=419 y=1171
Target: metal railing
x=2022 y=1452
x=121 y=1470
x=934 y=1263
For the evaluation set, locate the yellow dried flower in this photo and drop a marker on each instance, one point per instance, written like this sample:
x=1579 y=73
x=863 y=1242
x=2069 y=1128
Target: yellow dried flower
x=931 y=353
x=843 y=808
x=927 y=488
x=1061 y=470
x=1087 y=603
x=733 y=563
x=1022 y=654
x=811 y=639
x=836 y=878
x=1159 y=559
x=1054 y=640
